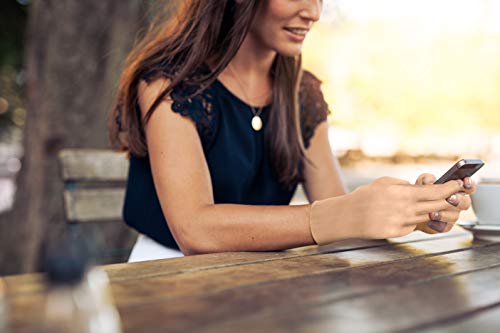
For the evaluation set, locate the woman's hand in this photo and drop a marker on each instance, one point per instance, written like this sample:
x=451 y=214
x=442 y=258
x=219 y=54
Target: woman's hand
x=390 y=207
x=443 y=221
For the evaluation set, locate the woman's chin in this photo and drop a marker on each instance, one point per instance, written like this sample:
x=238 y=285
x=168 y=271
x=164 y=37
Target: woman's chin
x=290 y=50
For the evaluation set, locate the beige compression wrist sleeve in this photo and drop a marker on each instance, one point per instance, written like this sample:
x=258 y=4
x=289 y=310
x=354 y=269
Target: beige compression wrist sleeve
x=320 y=221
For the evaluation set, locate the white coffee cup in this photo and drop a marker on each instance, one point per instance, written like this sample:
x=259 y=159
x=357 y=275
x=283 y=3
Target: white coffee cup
x=486 y=201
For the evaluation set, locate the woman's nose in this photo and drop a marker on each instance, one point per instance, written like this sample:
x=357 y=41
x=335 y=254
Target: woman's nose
x=312 y=10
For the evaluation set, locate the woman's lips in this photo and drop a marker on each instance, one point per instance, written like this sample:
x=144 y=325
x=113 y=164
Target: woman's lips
x=297 y=34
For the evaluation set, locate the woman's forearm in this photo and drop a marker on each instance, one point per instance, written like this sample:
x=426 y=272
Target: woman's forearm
x=386 y=208
x=232 y=227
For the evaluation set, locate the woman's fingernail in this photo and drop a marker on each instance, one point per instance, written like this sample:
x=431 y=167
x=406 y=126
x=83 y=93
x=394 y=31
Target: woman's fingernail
x=428 y=181
x=453 y=200
x=435 y=216
x=468 y=183
x=437 y=225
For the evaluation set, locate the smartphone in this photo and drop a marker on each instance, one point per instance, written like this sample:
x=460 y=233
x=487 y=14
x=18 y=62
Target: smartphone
x=462 y=169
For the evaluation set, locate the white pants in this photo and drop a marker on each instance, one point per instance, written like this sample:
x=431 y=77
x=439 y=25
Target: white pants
x=147 y=249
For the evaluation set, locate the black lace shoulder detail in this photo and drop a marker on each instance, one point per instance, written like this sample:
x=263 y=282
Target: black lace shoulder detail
x=200 y=107
x=191 y=100
x=313 y=107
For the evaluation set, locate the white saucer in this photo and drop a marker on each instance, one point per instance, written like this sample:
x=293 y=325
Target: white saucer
x=489 y=231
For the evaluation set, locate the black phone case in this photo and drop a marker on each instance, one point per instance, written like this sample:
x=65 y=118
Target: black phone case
x=462 y=169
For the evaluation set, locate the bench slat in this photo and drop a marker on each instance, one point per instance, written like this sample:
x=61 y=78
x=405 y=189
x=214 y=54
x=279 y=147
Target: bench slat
x=86 y=205
x=93 y=165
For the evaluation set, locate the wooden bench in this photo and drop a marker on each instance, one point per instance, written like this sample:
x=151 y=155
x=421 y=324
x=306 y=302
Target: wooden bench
x=94 y=190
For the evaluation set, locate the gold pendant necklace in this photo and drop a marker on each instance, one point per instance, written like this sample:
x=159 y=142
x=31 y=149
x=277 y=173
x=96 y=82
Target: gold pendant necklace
x=256 y=120
x=256 y=123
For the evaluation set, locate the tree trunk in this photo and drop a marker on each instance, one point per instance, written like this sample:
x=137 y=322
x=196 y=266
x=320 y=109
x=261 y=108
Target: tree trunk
x=75 y=51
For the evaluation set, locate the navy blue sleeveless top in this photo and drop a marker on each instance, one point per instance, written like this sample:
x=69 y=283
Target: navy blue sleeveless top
x=236 y=155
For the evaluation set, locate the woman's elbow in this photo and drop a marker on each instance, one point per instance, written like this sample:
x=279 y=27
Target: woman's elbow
x=193 y=240
x=199 y=246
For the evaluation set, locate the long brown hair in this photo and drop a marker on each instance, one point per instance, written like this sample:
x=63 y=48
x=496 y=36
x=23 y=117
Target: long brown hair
x=213 y=31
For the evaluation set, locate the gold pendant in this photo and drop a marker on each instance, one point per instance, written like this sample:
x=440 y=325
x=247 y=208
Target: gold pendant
x=256 y=123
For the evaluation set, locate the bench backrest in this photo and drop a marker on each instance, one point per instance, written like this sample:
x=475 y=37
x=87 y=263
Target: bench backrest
x=94 y=184
x=94 y=190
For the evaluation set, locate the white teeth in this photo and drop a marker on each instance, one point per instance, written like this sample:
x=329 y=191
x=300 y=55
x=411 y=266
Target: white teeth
x=300 y=32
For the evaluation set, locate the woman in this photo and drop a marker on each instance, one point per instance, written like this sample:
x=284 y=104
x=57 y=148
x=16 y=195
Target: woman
x=221 y=124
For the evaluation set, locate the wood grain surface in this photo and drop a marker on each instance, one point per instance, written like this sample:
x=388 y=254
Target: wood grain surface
x=443 y=283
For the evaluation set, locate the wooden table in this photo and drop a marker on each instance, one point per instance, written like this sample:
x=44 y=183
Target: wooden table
x=443 y=283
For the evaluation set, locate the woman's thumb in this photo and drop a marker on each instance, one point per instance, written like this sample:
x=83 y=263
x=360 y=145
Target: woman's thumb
x=426 y=179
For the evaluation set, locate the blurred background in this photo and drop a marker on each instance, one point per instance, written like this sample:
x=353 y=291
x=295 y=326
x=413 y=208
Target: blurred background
x=413 y=87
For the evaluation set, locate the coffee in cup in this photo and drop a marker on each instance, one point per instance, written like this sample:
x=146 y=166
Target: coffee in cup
x=486 y=201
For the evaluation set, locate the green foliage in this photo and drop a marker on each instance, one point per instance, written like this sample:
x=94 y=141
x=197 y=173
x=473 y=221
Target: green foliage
x=12 y=27
x=13 y=18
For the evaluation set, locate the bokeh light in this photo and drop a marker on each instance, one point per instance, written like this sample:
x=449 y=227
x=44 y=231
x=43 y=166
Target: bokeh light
x=410 y=77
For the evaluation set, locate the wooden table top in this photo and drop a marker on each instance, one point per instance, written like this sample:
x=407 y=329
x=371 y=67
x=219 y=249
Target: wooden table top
x=443 y=283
